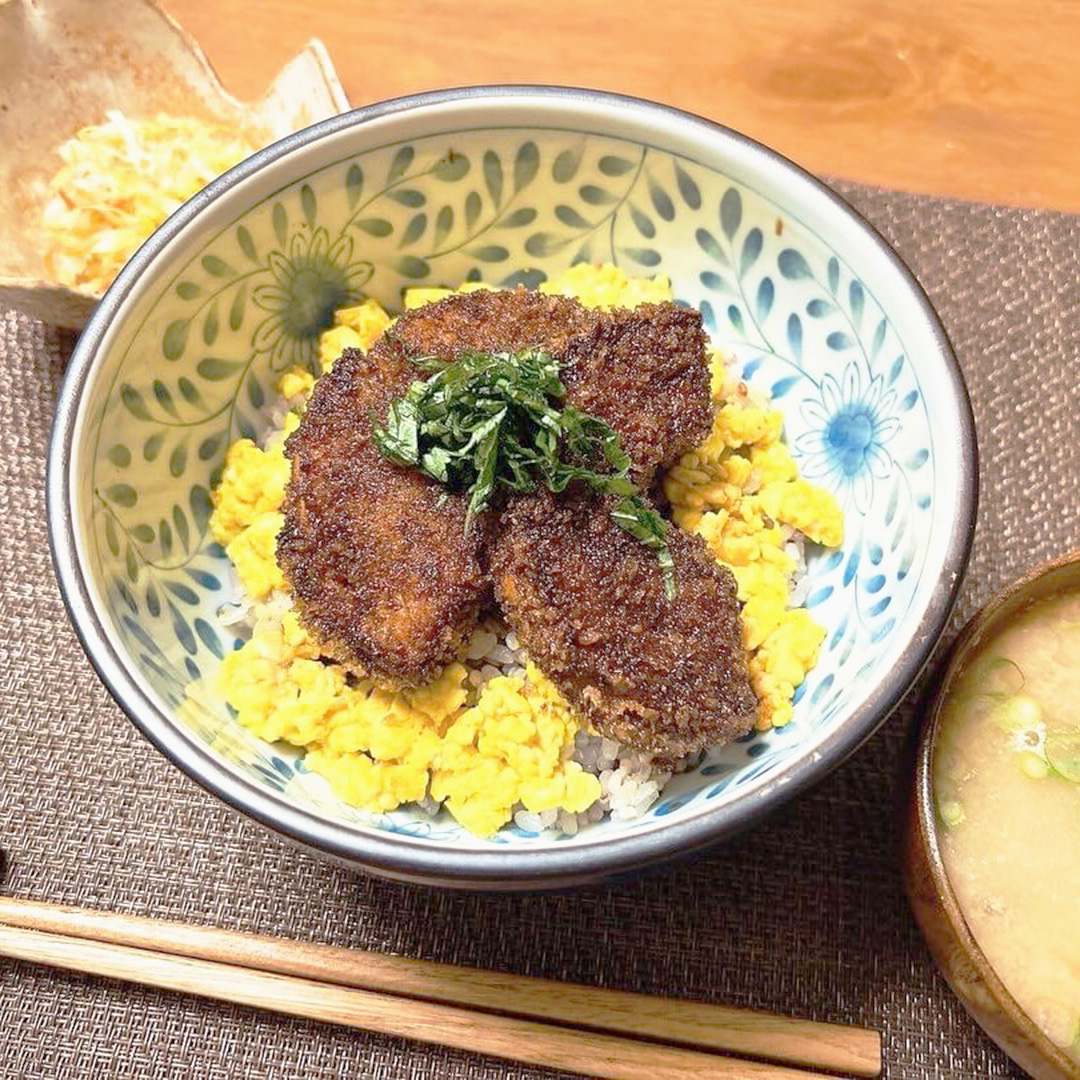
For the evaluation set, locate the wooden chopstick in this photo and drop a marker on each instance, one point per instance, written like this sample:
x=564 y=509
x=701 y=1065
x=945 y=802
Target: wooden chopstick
x=587 y=1053
x=809 y=1044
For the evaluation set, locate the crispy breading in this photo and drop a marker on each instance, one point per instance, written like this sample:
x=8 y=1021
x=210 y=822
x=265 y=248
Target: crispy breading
x=645 y=372
x=642 y=371
x=588 y=601
x=488 y=320
x=384 y=575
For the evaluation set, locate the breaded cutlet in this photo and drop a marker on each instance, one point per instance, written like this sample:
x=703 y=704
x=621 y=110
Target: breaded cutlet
x=588 y=601
x=644 y=372
x=377 y=557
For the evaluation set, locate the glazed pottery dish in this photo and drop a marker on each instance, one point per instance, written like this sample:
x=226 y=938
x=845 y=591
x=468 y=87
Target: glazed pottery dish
x=71 y=66
x=823 y=346
x=991 y=854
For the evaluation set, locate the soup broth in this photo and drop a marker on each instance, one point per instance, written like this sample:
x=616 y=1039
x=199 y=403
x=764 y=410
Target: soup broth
x=1007 y=791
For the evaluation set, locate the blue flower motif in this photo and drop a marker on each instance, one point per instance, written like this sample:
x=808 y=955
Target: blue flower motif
x=310 y=284
x=849 y=427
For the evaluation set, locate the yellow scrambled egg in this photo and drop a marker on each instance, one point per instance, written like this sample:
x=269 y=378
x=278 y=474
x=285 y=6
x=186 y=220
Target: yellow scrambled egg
x=742 y=493
x=380 y=748
x=354 y=328
x=607 y=286
x=247 y=510
x=119 y=181
x=510 y=742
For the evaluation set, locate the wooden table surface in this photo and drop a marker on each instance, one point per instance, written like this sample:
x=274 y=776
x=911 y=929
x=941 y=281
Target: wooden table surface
x=972 y=98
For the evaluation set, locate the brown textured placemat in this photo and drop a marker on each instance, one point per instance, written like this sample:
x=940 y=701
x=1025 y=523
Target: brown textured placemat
x=805 y=915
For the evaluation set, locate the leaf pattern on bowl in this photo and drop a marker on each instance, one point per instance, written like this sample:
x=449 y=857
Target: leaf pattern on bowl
x=509 y=207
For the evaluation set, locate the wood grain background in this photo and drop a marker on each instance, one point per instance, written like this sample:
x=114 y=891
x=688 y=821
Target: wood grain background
x=972 y=98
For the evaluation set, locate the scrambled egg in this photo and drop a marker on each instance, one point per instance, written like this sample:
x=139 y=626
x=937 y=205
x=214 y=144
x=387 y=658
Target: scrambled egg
x=422 y=294
x=604 y=287
x=380 y=748
x=354 y=328
x=742 y=493
x=247 y=510
x=607 y=286
x=119 y=181
x=511 y=742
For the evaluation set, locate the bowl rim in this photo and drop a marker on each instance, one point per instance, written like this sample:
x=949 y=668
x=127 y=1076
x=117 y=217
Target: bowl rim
x=383 y=852
x=1039 y=582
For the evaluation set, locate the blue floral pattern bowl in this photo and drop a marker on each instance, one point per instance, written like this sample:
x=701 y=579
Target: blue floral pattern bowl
x=506 y=185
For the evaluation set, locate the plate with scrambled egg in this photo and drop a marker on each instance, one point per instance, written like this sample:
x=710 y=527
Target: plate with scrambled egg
x=120 y=120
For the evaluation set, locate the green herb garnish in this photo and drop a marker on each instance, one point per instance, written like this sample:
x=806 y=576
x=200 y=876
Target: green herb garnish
x=1062 y=750
x=491 y=419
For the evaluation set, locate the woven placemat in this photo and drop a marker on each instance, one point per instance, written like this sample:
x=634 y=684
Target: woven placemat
x=805 y=915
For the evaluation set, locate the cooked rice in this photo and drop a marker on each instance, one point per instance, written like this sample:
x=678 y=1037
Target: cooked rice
x=631 y=781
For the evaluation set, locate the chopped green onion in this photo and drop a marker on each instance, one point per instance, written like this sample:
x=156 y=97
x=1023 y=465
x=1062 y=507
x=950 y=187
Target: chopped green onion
x=1062 y=750
x=1033 y=765
x=952 y=813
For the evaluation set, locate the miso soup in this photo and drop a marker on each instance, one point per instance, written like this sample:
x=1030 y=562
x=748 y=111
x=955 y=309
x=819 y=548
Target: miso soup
x=1007 y=792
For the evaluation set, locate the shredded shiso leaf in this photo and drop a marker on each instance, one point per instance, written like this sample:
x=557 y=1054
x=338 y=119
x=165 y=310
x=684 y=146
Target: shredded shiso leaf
x=498 y=419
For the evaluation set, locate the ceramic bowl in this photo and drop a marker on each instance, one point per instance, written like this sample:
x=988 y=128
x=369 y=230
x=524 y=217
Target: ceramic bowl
x=508 y=185
x=930 y=892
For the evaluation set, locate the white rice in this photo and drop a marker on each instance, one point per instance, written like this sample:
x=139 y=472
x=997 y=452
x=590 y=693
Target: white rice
x=800 y=583
x=275 y=418
x=630 y=781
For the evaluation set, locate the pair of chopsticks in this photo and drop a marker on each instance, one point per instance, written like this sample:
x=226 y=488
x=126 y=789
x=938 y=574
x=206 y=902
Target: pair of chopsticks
x=580 y=1029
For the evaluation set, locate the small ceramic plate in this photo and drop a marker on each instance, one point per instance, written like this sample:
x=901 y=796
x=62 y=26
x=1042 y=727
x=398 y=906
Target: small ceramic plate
x=63 y=65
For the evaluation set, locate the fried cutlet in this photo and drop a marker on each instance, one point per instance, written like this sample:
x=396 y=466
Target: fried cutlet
x=588 y=602
x=644 y=371
x=487 y=320
x=377 y=557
